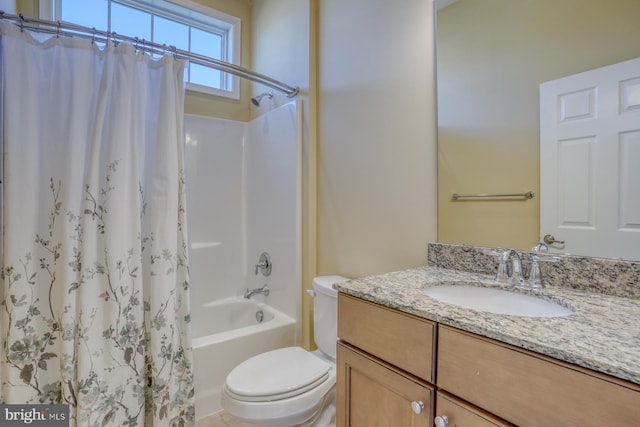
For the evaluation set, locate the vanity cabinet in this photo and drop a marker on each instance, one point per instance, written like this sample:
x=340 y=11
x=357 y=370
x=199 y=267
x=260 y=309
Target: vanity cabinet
x=390 y=363
x=385 y=366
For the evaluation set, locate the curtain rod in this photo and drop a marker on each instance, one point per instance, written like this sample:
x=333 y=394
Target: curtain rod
x=67 y=29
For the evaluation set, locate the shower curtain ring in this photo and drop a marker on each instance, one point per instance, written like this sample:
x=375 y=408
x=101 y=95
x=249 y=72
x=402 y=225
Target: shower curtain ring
x=21 y=22
x=93 y=37
x=58 y=32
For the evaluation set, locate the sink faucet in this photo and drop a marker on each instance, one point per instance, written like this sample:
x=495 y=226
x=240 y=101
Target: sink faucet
x=263 y=290
x=510 y=268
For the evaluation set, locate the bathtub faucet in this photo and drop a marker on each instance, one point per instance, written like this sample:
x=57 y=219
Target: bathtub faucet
x=263 y=290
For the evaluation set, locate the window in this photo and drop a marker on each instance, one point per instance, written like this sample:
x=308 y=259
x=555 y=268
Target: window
x=180 y=23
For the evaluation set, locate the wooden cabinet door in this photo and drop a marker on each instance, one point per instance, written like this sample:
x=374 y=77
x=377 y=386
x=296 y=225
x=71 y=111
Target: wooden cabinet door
x=371 y=393
x=460 y=414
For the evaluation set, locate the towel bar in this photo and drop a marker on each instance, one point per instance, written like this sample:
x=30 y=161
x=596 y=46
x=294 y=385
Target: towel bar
x=527 y=195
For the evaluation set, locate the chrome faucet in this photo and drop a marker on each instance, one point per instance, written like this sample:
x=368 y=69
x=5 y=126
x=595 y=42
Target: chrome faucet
x=510 y=268
x=264 y=264
x=263 y=290
x=540 y=247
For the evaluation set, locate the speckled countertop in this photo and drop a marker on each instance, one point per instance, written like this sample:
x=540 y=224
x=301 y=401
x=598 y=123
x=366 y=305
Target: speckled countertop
x=603 y=334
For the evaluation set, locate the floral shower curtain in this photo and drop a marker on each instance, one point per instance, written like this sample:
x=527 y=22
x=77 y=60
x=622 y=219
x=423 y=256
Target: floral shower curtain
x=94 y=306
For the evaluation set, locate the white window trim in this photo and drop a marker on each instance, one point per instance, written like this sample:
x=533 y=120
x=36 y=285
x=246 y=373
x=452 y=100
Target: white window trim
x=49 y=10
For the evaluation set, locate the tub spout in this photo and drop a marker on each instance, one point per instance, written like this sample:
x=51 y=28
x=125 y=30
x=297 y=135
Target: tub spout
x=263 y=290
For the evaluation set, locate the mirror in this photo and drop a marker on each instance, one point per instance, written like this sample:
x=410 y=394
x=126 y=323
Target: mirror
x=492 y=56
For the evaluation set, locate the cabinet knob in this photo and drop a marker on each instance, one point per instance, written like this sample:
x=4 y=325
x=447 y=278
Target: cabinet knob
x=441 y=421
x=417 y=407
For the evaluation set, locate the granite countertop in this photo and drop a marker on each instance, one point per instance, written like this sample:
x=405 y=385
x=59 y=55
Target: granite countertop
x=602 y=334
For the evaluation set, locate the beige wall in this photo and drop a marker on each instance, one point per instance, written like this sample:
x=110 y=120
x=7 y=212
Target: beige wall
x=376 y=136
x=27 y=7
x=492 y=56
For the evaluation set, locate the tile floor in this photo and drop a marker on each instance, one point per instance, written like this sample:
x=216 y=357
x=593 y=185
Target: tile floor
x=219 y=419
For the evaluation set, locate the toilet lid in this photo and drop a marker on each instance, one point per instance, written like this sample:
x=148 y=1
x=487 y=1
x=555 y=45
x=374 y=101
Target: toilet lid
x=277 y=374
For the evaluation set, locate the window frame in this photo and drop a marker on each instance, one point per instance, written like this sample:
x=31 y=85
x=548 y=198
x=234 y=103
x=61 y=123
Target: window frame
x=50 y=9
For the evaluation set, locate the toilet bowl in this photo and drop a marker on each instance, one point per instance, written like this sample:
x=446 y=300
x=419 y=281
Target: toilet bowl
x=291 y=386
x=283 y=387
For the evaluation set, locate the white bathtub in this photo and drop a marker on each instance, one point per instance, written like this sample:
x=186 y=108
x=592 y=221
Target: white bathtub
x=226 y=332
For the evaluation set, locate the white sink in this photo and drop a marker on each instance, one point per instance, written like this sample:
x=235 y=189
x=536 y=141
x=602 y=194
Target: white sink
x=496 y=301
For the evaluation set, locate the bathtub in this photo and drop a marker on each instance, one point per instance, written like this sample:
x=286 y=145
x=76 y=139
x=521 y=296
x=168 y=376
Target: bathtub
x=227 y=332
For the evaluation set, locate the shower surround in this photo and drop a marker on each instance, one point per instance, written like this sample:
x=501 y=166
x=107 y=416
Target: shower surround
x=243 y=198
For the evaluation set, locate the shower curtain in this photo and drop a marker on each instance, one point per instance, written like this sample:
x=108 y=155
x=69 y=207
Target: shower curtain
x=94 y=284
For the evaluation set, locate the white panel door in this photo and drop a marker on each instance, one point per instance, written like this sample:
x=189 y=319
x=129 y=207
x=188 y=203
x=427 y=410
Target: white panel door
x=590 y=161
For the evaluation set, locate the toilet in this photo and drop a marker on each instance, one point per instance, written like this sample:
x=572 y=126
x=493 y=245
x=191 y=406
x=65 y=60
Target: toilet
x=291 y=386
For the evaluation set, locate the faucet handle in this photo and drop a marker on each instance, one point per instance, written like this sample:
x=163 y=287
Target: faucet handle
x=540 y=247
x=535 y=275
x=544 y=257
x=502 y=275
x=264 y=264
x=493 y=252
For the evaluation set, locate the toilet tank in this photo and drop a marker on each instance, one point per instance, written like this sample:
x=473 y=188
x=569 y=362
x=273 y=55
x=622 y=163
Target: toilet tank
x=325 y=313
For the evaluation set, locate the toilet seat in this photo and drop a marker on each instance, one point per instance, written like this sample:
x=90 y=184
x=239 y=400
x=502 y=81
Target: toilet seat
x=276 y=375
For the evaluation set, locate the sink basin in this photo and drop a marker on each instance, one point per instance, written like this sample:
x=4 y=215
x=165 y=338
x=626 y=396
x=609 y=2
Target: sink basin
x=496 y=301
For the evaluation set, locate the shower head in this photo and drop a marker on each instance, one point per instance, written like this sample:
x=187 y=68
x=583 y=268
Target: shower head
x=256 y=99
